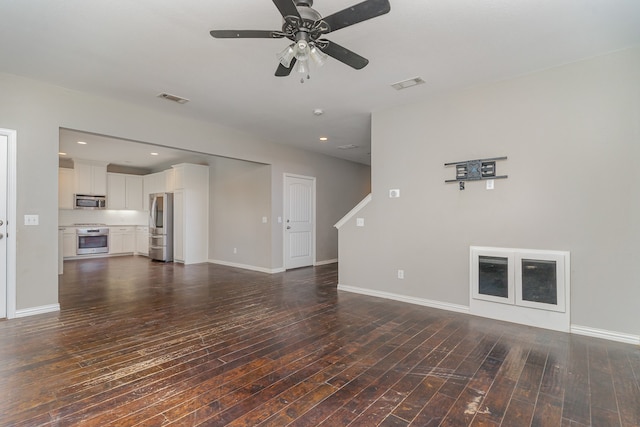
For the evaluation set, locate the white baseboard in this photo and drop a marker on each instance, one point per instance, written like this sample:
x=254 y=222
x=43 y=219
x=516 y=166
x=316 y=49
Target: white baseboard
x=326 y=262
x=607 y=335
x=247 y=267
x=32 y=311
x=404 y=298
x=575 y=329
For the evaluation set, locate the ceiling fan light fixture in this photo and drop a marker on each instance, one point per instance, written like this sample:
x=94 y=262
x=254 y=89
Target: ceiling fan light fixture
x=303 y=67
x=302 y=45
x=286 y=56
x=317 y=56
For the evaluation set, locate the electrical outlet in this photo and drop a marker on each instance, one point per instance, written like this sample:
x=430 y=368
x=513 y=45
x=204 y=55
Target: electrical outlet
x=31 y=219
x=400 y=274
x=489 y=184
x=394 y=194
x=235 y=250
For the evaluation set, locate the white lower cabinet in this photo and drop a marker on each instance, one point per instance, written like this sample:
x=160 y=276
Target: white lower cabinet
x=69 y=242
x=142 y=240
x=121 y=240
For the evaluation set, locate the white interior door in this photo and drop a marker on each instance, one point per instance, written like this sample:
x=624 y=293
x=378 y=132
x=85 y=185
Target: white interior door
x=299 y=221
x=4 y=144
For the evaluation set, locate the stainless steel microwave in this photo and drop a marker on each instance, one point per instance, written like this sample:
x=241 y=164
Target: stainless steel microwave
x=85 y=201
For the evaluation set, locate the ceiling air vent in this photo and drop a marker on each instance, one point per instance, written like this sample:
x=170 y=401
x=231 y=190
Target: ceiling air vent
x=408 y=83
x=347 y=147
x=173 y=98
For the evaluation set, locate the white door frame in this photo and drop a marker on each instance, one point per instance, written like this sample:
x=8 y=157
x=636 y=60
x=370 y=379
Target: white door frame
x=11 y=220
x=285 y=195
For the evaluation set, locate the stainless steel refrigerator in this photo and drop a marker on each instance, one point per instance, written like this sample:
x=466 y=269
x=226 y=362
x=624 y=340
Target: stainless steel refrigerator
x=161 y=227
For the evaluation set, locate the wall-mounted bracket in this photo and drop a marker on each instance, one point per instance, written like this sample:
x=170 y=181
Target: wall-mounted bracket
x=475 y=170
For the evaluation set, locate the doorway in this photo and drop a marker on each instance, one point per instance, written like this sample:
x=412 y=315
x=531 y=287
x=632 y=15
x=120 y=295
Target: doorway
x=7 y=223
x=299 y=221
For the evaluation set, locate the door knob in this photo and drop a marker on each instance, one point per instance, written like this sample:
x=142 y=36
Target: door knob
x=288 y=227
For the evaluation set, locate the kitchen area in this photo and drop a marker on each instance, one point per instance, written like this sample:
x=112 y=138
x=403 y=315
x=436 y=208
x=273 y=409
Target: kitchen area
x=104 y=212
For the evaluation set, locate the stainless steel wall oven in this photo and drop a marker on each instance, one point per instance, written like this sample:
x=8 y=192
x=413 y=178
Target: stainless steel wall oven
x=93 y=240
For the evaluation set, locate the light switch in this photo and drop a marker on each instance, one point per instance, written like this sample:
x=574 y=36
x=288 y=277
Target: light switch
x=360 y=222
x=489 y=184
x=31 y=219
x=264 y=219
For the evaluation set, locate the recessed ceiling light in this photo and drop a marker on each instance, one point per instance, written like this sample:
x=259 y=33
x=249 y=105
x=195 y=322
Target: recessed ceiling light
x=324 y=138
x=82 y=143
x=62 y=154
x=154 y=154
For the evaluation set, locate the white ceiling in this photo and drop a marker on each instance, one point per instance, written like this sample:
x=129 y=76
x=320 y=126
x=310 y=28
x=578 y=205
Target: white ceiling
x=127 y=153
x=133 y=50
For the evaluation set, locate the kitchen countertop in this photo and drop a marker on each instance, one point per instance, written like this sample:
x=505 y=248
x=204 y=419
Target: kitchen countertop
x=102 y=225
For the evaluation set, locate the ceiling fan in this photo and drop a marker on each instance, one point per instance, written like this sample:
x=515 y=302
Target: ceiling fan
x=306 y=28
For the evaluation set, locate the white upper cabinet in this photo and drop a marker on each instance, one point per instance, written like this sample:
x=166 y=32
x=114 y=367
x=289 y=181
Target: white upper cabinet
x=124 y=191
x=116 y=193
x=159 y=182
x=90 y=177
x=133 y=187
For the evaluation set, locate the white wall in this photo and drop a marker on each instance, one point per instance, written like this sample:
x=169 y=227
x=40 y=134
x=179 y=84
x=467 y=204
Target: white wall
x=37 y=110
x=572 y=137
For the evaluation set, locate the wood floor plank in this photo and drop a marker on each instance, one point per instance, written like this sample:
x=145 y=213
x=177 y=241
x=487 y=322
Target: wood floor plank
x=140 y=343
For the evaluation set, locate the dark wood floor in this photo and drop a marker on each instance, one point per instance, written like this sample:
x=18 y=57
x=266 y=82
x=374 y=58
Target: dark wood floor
x=142 y=343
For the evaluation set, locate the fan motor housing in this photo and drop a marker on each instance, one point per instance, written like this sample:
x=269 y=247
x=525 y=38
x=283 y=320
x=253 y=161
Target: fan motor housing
x=311 y=22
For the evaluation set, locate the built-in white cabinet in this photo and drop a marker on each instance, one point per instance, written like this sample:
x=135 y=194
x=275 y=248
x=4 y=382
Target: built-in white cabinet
x=178 y=226
x=124 y=191
x=527 y=286
x=90 y=177
x=142 y=240
x=158 y=182
x=69 y=242
x=65 y=188
x=190 y=213
x=121 y=240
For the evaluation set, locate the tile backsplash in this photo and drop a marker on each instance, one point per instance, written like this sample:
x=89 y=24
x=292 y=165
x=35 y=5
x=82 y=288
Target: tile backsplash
x=109 y=217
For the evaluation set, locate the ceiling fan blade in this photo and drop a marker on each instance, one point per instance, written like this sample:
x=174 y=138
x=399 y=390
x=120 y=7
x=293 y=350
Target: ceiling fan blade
x=246 y=34
x=287 y=8
x=343 y=54
x=283 y=71
x=352 y=15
